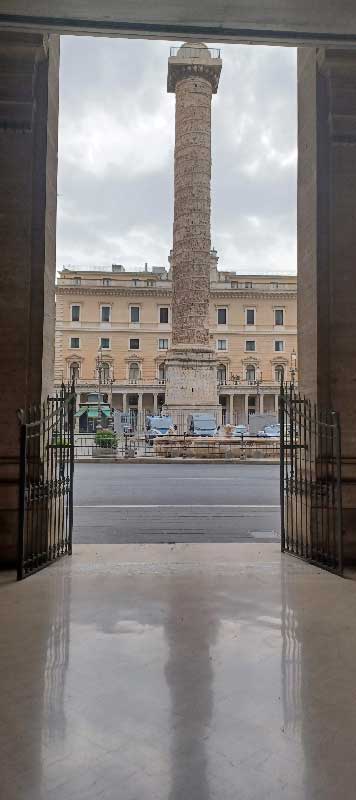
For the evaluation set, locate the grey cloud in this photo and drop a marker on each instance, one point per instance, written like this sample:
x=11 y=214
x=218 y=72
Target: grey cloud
x=116 y=155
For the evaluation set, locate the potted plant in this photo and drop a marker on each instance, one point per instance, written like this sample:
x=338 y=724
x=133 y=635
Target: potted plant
x=105 y=443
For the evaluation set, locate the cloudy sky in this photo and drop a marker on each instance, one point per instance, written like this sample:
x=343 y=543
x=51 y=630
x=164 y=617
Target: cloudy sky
x=116 y=143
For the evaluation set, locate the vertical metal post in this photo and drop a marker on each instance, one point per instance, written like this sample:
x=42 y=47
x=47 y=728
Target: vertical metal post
x=22 y=502
x=339 y=520
x=71 y=408
x=281 y=467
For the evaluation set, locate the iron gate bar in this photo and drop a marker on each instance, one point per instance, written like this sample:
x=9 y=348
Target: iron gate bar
x=46 y=482
x=310 y=481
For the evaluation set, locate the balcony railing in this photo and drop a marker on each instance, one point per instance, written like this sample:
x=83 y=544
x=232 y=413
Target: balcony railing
x=244 y=383
x=140 y=382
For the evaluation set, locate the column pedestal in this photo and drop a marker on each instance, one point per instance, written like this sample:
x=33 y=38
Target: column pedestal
x=191 y=383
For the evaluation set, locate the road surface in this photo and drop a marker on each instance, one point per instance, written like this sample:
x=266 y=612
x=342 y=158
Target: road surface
x=176 y=503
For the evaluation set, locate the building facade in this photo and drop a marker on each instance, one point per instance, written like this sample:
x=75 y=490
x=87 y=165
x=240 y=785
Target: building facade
x=120 y=321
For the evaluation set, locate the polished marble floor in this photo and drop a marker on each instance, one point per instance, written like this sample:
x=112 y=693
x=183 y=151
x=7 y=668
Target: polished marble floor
x=187 y=672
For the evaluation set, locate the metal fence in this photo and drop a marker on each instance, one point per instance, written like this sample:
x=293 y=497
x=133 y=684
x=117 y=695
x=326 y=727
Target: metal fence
x=136 y=446
x=310 y=481
x=46 y=482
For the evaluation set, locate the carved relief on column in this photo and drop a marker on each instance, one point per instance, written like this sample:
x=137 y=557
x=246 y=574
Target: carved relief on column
x=191 y=231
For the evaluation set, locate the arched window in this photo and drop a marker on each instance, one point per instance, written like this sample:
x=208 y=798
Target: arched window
x=250 y=373
x=279 y=373
x=162 y=373
x=221 y=373
x=74 y=371
x=105 y=372
x=134 y=372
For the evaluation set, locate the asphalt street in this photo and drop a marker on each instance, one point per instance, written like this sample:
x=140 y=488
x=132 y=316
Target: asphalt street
x=176 y=503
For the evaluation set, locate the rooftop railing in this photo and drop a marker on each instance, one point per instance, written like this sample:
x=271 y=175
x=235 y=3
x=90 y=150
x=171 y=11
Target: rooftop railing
x=195 y=52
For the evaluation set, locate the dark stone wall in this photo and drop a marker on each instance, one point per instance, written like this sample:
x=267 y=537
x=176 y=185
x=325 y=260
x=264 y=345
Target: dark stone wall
x=327 y=247
x=28 y=169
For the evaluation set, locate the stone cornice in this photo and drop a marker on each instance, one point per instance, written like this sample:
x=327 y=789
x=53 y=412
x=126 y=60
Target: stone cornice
x=254 y=294
x=111 y=291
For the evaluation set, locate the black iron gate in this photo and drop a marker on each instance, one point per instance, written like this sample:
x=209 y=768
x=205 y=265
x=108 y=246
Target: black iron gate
x=310 y=481
x=46 y=482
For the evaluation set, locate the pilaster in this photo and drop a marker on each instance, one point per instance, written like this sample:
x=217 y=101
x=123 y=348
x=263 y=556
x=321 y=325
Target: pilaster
x=327 y=246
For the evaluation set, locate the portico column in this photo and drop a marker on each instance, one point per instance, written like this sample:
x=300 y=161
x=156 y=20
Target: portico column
x=246 y=409
x=276 y=404
x=327 y=247
x=28 y=198
x=262 y=410
x=231 y=409
x=124 y=402
x=139 y=403
x=155 y=402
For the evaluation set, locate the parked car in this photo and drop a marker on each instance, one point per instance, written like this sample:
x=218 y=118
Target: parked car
x=157 y=426
x=270 y=432
x=240 y=430
x=202 y=425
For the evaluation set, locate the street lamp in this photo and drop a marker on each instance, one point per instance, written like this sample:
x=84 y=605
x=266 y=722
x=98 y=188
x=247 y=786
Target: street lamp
x=258 y=384
x=293 y=366
x=111 y=416
x=99 y=367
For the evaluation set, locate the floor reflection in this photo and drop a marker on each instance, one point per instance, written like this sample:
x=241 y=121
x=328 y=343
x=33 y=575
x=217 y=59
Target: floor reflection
x=33 y=680
x=190 y=633
x=290 y=656
x=56 y=663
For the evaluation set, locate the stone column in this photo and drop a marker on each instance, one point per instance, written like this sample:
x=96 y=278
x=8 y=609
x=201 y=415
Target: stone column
x=246 y=409
x=327 y=247
x=124 y=402
x=276 y=410
x=193 y=74
x=231 y=409
x=28 y=198
x=262 y=409
x=155 y=402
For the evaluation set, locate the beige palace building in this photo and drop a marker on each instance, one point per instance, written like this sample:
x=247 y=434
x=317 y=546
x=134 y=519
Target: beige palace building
x=121 y=320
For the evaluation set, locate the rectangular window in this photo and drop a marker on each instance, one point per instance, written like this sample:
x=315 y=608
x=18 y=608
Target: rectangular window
x=222 y=315
x=250 y=346
x=105 y=344
x=250 y=316
x=106 y=282
x=75 y=313
x=163 y=316
x=134 y=313
x=74 y=342
x=105 y=313
x=222 y=344
x=77 y=281
x=279 y=316
x=134 y=344
x=279 y=346
x=163 y=344
x=248 y=285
